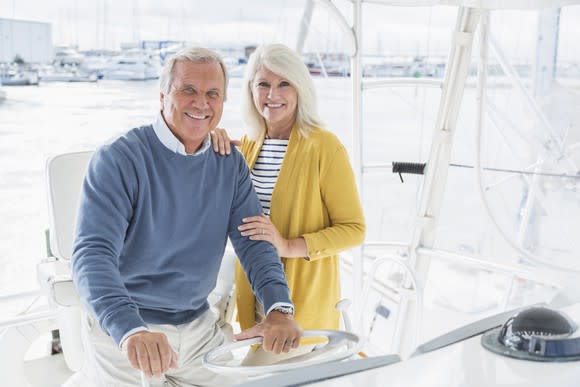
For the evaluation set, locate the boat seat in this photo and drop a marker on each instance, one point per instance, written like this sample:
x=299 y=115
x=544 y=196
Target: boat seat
x=64 y=177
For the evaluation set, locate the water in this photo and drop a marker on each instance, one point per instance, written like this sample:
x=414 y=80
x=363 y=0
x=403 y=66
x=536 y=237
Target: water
x=37 y=122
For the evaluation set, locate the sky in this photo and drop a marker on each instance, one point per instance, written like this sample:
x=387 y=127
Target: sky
x=387 y=31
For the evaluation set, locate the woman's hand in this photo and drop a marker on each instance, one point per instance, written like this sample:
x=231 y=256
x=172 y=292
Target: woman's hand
x=221 y=141
x=260 y=228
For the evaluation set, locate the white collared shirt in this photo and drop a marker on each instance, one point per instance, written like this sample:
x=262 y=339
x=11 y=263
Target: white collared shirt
x=167 y=138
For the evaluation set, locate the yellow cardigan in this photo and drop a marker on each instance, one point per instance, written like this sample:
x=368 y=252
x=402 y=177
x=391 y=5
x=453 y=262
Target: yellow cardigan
x=315 y=197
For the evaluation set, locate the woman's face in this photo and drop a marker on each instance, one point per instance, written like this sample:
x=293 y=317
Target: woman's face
x=275 y=98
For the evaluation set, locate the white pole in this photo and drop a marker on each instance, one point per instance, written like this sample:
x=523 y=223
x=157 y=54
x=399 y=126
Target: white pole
x=437 y=167
x=357 y=154
x=304 y=25
x=546 y=50
x=144 y=381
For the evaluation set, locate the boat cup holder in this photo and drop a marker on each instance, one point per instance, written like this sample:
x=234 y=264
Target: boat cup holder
x=536 y=333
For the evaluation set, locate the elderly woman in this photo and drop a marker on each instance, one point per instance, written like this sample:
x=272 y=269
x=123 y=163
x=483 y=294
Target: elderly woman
x=303 y=178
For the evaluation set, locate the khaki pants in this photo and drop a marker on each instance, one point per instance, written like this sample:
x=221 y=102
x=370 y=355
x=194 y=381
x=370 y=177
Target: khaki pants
x=107 y=366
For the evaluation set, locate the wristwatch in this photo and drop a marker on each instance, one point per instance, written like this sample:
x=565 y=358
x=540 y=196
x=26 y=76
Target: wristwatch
x=284 y=309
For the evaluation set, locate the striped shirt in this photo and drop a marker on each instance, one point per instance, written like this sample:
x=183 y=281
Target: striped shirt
x=267 y=169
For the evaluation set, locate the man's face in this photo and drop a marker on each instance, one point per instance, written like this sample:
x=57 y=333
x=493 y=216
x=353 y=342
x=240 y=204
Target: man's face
x=195 y=102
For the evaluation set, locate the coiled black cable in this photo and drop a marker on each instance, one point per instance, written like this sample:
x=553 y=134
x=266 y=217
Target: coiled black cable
x=419 y=169
x=405 y=167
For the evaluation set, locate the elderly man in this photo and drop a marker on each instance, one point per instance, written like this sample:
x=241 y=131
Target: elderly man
x=156 y=209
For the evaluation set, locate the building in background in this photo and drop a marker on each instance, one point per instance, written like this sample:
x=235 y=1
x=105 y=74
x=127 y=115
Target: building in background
x=25 y=41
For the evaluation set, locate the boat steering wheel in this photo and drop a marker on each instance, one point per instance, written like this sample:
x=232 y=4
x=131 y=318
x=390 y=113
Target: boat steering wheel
x=338 y=345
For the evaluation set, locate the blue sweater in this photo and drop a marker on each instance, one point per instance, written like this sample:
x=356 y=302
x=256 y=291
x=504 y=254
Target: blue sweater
x=151 y=232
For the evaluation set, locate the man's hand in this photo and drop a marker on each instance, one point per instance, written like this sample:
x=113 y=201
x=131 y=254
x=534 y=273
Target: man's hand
x=280 y=332
x=221 y=141
x=150 y=352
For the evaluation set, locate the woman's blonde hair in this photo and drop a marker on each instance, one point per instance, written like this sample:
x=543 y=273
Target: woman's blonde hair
x=287 y=64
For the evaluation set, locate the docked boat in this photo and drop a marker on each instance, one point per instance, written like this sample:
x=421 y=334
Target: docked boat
x=15 y=77
x=469 y=273
x=133 y=65
x=66 y=74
